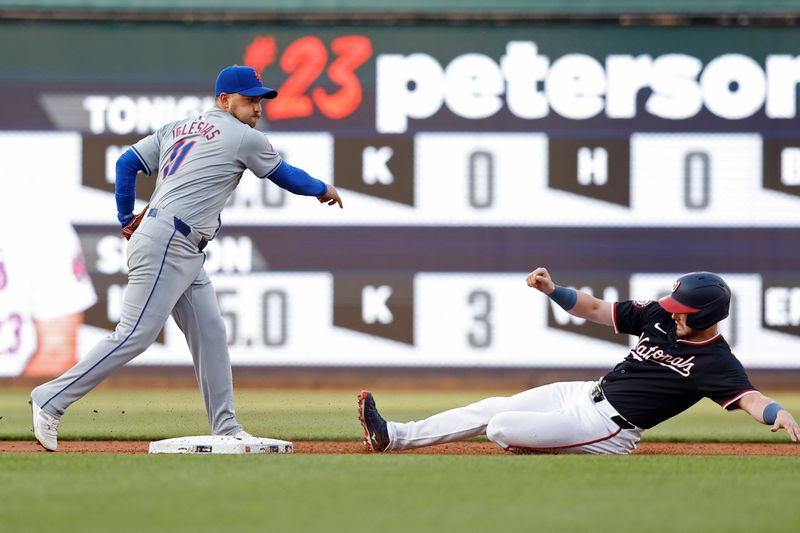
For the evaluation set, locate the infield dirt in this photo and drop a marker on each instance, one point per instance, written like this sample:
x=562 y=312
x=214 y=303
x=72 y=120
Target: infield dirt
x=459 y=448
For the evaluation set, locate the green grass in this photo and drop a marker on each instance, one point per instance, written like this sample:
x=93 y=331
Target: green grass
x=318 y=415
x=151 y=414
x=383 y=493
x=397 y=493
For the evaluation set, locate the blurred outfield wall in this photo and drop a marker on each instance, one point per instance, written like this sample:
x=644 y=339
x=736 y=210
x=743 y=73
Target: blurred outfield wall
x=467 y=152
x=409 y=10
x=544 y=8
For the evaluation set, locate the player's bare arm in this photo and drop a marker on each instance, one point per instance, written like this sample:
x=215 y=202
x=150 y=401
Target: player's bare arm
x=331 y=197
x=584 y=305
x=757 y=405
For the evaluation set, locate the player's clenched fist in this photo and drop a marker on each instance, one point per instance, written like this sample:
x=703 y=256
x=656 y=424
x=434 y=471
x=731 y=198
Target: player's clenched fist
x=540 y=279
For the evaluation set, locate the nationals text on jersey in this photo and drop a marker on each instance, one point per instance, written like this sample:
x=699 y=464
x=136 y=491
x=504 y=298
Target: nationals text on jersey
x=642 y=352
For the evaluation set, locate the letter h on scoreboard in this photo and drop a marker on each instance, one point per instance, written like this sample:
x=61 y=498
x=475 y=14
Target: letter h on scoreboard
x=595 y=168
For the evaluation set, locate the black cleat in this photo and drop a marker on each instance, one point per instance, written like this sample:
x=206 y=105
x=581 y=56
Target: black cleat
x=376 y=435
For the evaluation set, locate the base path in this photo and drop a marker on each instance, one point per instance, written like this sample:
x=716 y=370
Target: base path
x=459 y=448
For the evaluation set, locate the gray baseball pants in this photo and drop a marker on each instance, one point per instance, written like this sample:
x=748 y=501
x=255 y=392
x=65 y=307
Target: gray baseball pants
x=165 y=275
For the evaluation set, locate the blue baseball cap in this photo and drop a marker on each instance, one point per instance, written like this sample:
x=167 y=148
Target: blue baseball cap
x=243 y=80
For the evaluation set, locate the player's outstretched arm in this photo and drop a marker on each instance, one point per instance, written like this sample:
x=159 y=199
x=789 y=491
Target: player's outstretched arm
x=576 y=303
x=765 y=410
x=330 y=196
x=298 y=181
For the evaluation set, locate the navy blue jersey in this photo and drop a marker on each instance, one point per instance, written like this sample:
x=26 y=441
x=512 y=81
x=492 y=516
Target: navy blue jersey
x=663 y=375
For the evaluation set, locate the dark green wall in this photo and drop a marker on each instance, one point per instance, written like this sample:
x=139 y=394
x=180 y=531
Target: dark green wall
x=531 y=7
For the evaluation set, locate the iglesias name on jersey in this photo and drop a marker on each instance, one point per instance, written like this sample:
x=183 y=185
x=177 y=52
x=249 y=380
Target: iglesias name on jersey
x=663 y=375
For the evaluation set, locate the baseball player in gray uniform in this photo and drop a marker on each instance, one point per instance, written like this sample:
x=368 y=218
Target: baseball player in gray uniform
x=200 y=161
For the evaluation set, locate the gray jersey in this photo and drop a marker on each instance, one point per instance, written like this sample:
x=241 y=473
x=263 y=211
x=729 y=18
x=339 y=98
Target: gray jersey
x=200 y=161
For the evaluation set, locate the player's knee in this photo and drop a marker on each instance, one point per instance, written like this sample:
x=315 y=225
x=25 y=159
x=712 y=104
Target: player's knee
x=496 y=430
x=144 y=333
x=122 y=331
x=216 y=329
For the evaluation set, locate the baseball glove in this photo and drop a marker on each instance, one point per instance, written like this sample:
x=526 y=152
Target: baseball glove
x=128 y=230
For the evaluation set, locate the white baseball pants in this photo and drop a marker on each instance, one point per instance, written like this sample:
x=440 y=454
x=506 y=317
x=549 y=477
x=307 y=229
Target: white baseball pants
x=554 y=418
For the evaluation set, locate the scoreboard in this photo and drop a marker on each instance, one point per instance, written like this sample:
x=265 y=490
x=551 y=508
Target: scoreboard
x=619 y=158
x=510 y=179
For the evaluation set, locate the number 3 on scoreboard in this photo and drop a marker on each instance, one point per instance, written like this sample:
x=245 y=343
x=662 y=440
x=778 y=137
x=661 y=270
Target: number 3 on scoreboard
x=481 y=334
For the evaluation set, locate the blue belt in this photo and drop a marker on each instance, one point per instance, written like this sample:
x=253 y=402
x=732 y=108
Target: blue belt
x=181 y=226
